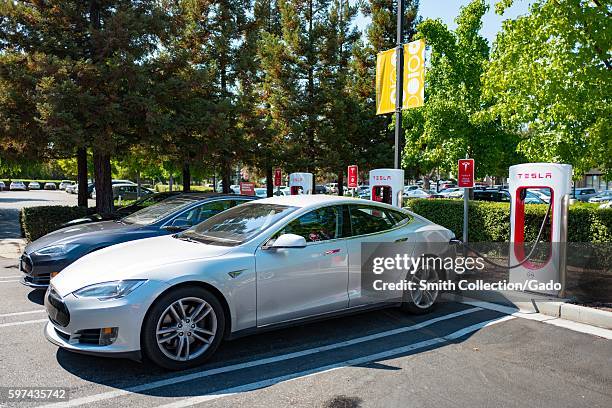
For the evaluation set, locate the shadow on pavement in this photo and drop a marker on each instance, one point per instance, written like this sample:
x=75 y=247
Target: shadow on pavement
x=37 y=296
x=125 y=374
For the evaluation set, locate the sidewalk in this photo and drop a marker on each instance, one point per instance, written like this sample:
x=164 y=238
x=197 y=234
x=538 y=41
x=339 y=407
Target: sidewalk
x=12 y=248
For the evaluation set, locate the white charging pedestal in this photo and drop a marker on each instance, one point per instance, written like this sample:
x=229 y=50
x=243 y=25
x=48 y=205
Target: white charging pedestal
x=387 y=186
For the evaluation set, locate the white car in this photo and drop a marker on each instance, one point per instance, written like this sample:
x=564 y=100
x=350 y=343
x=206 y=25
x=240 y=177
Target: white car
x=18 y=185
x=34 y=185
x=256 y=266
x=450 y=192
x=66 y=183
x=417 y=193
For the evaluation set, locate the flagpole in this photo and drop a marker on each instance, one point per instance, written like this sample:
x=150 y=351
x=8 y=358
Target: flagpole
x=399 y=83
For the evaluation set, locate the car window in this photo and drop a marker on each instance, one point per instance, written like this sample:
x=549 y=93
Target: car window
x=318 y=225
x=203 y=212
x=369 y=220
x=239 y=224
x=400 y=218
x=156 y=212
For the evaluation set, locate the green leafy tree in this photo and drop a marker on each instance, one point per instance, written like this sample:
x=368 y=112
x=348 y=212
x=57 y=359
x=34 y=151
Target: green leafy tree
x=449 y=125
x=550 y=74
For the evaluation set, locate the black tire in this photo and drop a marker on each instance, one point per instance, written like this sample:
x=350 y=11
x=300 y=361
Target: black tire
x=151 y=349
x=408 y=304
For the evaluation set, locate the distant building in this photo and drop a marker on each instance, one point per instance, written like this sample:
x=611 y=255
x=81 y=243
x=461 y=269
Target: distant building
x=594 y=178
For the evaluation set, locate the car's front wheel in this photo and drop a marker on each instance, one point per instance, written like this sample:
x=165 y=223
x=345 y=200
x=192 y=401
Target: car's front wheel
x=183 y=328
x=422 y=299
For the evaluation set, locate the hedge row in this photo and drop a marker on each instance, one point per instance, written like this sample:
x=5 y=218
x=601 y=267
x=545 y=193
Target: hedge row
x=490 y=222
x=39 y=221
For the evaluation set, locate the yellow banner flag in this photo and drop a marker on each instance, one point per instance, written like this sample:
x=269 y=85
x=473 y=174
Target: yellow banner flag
x=414 y=74
x=385 y=82
x=414 y=78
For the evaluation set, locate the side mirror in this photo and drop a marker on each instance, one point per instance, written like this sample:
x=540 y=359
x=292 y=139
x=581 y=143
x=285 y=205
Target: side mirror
x=289 y=241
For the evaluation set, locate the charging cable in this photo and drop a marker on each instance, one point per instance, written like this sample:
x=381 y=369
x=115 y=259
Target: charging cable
x=457 y=241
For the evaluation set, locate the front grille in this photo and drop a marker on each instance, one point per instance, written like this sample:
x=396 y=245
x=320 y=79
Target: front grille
x=63 y=335
x=26 y=263
x=56 y=309
x=88 y=336
x=42 y=279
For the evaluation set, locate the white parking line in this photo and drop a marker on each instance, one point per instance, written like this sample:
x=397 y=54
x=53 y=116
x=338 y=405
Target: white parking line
x=188 y=402
x=22 y=323
x=12 y=280
x=12 y=276
x=255 y=363
x=22 y=313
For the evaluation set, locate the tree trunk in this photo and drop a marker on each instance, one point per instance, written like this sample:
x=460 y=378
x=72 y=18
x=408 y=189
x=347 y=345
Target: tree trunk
x=186 y=176
x=341 y=181
x=170 y=182
x=226 y=175
x=103 y=179
x=82 y=176
x=138 y=185
x=269 y=181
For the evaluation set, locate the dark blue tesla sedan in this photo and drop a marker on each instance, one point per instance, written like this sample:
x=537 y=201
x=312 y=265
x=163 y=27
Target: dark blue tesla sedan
x=48 y=255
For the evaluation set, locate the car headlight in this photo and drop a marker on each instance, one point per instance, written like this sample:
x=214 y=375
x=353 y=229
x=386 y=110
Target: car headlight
x=59 y=249
x=109 y=290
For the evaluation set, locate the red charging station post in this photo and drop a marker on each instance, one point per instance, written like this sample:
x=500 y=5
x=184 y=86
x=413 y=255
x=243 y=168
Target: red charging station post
x=353 y=171
x=247 y=188
x=278 y=176
x=466 y=180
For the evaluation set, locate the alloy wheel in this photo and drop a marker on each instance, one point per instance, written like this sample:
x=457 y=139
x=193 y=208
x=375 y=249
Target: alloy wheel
x=186 y=329
x=424 y=298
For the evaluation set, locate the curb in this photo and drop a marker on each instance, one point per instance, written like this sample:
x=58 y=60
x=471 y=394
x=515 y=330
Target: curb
x=557 y=309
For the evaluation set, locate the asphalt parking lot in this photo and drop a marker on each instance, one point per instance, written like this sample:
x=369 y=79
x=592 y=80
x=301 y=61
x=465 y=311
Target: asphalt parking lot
x=13 y=201
x=460 y=355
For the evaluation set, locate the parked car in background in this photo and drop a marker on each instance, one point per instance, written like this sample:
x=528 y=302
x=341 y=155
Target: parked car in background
x=447 y=192
x=253 y=267
x=18 y=186
x=583 y=194
x=417 y=193
x=261 y=192
x=51 y=253
x=2 y=185
x=321 y=189
x=504 y=196
x=543 y=194
x=602 y=197
x=71 y=188
x=33 y=185
x=50 y=186
x=124 y=211
x=129 y=191
x=65 y=183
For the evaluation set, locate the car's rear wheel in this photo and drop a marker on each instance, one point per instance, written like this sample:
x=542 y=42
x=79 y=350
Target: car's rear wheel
x=422 y=299
x=183 y=328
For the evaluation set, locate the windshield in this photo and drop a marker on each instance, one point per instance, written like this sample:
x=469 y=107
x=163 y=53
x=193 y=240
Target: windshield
x=238 y=224
x=154 y=213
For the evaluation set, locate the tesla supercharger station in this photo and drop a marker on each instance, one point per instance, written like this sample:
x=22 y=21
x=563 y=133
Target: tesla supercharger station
x=557 y=179
x=300 y=183
x=387 y=186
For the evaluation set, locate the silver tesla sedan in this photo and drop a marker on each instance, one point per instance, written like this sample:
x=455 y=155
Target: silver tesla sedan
x=267 y=263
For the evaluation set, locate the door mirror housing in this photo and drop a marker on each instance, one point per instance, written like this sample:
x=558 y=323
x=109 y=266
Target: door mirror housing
x=289 y=241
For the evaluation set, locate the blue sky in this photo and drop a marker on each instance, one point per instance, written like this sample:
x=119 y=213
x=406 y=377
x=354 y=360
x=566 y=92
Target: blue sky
x=447 y=11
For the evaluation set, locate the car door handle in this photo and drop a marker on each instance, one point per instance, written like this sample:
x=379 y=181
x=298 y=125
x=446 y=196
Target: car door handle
x=402 y=239
x=331 y=251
